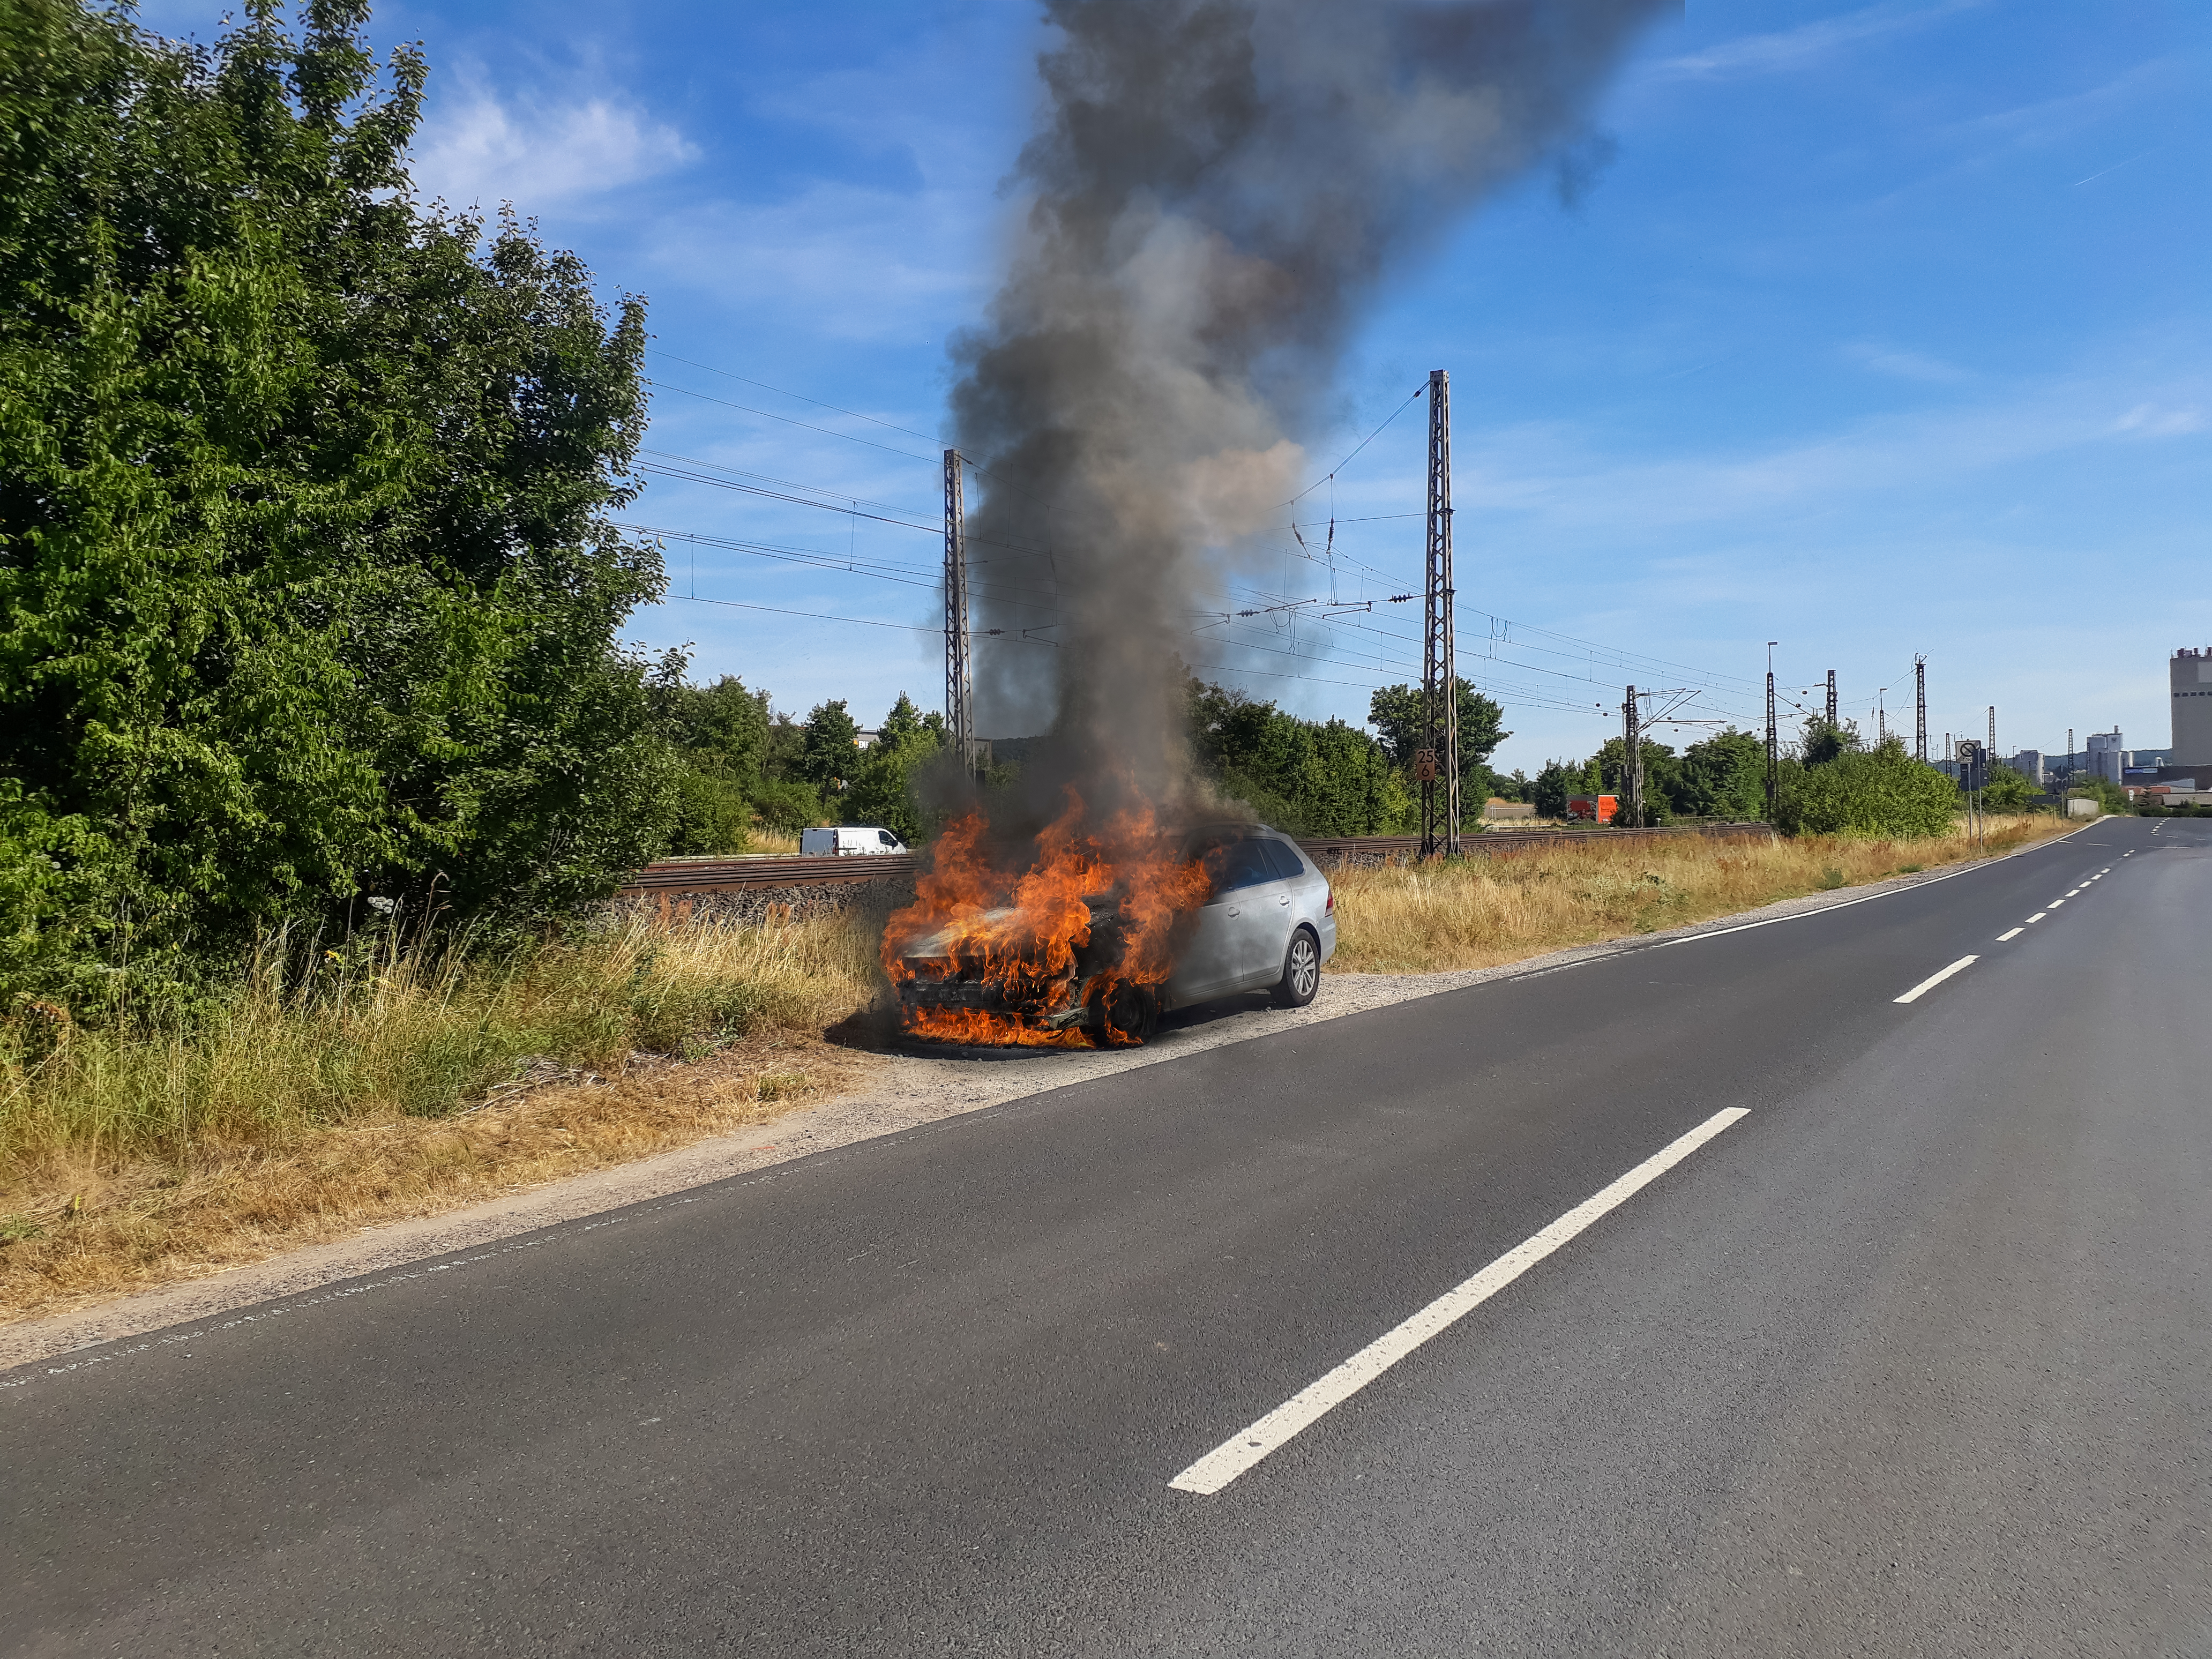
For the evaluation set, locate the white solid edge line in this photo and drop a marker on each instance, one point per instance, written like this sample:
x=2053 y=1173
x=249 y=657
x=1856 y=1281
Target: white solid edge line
x=2016 y=933
x=1934 y=980
x=1242 y=1451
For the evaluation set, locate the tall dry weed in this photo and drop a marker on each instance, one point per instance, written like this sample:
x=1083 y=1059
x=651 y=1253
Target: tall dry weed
x=409 y=1032
x=1483 y=911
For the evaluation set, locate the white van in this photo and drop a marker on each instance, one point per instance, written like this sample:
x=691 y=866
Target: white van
x=847 y=840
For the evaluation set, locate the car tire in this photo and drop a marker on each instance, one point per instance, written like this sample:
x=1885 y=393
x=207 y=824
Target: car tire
x=1300 y=971
x=1127 y=1019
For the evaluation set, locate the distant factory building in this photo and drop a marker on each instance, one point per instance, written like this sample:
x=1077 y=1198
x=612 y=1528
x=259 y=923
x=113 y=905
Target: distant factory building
x=2107 y=755
x=2029 y=764
x=2191 y=672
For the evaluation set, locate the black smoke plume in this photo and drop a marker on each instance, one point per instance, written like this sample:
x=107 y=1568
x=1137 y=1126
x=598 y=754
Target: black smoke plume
x=1214 y=192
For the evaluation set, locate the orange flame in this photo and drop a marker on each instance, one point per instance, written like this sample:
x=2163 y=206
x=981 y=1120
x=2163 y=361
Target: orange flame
x=986 y=956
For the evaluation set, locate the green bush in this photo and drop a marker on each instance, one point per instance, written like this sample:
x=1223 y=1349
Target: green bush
x=1866 y=791
x=308 y=586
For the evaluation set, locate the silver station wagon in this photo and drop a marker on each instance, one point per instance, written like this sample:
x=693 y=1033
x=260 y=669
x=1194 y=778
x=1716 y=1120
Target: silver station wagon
x=1268 y=923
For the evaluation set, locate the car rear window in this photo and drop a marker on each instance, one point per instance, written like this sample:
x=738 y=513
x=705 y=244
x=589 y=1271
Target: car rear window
x=1286 y=861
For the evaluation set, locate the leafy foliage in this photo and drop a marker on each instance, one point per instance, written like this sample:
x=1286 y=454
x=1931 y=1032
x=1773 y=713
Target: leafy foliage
x=1724 y=776
x=723 y=730
x=1881 y=791
x=2004 y=790
x=1395 y=712
x=1328 y=779
x=882 y=789
x=306 y=586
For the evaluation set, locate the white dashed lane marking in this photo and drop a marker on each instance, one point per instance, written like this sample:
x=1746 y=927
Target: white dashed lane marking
x=1937 y=979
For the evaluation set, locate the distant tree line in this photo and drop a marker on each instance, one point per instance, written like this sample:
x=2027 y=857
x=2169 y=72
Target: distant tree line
x=1829 y=782
x=747 y=768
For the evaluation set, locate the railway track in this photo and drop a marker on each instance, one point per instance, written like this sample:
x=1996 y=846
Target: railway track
x=738 y=875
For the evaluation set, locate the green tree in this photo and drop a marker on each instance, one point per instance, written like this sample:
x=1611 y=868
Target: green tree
x=722 y=730
x=307 y=584
x=1724 y=776
x=1662 y=777
x=883 y=788
x=1322 y=779
x=1881 y=791
x=1553 y=785
x=1395 y=712
x=831 y=751
x=2005 y=790
x=1823 y=743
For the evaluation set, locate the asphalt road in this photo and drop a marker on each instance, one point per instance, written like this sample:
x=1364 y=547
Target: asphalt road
x=1913 y=1358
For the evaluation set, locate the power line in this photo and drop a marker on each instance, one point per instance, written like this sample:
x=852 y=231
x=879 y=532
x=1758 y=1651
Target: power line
x=1417 y=391
x=746 y=408
x=781 y=391
x=1619 y=660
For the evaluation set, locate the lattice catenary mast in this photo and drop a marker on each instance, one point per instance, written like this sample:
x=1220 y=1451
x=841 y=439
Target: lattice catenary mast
x=1920 y=709
x=1773 y=737
x=1631 y=734
x=1436 y=766
x=959 y=671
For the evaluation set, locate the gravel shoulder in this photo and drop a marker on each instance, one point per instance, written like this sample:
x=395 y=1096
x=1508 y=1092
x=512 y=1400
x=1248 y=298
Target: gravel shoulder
x=907 y=1093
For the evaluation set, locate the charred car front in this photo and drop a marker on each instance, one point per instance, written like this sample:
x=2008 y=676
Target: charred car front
x=1262 y=918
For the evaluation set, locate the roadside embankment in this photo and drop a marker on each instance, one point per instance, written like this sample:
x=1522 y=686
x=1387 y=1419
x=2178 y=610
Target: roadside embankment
x=394 y=1090
x=392 y=1086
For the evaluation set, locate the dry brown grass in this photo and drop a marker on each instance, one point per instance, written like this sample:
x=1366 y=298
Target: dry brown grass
x=399 y=1089
x=1486 y=911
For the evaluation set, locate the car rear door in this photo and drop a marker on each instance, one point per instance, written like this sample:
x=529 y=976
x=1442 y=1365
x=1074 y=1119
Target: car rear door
x=1234 y=945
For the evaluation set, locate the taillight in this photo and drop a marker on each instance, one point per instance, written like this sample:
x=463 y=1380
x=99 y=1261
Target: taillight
x=1329 y=909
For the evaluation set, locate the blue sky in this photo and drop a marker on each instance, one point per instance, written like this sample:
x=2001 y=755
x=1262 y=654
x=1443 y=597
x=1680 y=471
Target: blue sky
x=1885 y=329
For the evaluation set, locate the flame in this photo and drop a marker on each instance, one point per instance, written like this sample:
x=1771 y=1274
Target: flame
x=1062 y=955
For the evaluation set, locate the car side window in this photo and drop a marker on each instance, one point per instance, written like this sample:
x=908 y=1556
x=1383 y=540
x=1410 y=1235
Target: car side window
x=1242 y=863
x=1286 y=863
x=887 y=838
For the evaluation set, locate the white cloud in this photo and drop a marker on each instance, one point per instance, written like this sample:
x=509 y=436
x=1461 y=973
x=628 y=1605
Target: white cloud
x=2149 y=421
x=1547 y=474
x=482 y=150
x=842 y=261
x=1902 y=365
x=1806 y=46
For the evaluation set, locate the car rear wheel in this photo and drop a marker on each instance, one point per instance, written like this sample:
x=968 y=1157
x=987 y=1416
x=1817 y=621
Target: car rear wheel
x=1301 y=971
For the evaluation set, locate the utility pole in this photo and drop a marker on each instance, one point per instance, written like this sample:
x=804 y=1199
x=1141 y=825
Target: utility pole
x=1832 y=721
x=1920 y=709
x=1436 y=765
x=1990 y=759
x=959 y=671
x=1965 y=758
x=1631 y=773
x=2069 y=757
x=1773 y=744
x=1880 y=717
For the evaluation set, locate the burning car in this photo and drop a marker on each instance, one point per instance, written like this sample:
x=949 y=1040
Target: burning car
x=1091 y=946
